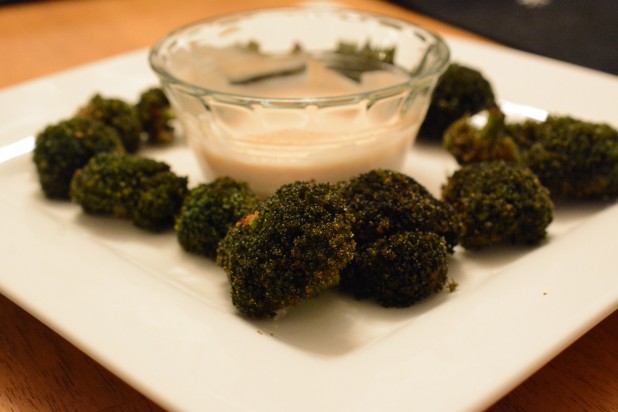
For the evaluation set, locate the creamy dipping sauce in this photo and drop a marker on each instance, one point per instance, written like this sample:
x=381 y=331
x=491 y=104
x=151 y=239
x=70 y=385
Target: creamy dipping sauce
x=266 y=174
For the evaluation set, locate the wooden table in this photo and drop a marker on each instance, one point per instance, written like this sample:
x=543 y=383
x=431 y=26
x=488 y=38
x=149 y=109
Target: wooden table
x=39 y=370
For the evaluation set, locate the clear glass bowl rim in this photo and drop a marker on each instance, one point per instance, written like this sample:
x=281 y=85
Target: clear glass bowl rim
x=436 y=70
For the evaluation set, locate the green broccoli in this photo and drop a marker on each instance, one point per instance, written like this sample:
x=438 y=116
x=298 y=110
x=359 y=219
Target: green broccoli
x=574 y=159
x=142 y=190
x=117 y=114
x=386 y=202
x=392 y=210
x=499 y=202
x=209 y=211
x=398 y=270
x=155 y=115
x=460 y=90
x=292 y=247
x=62 y=148
x=468 y=144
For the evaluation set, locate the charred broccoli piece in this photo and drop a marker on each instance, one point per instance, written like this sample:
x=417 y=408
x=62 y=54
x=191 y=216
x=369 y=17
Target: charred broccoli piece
x=142 y=190
x=574 y=159
x=155 y=115
x=117 y=114
x=460 y=90
x=469 y=144
x=384 y=202
x=403 y=234
x=62 y=148
x=292 y=247
x=398 y=270
x=499 y=202
x=209 y=211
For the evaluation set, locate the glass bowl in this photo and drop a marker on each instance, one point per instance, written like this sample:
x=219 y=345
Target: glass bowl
x=305 y=93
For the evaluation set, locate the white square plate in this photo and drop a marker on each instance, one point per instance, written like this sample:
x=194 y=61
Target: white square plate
x=162 y=319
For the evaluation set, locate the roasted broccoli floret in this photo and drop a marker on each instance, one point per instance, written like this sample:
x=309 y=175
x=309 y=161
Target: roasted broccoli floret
x=155 y=115
x=398 y=270
x=397 y=222
x=290 y=248
x=460 y=90
x=209 y=211
x=385 y=202
x=142 y=190
x=573 y=158
x=499 y=202
x=62 y=148
x=469 y=144
x=117 y=114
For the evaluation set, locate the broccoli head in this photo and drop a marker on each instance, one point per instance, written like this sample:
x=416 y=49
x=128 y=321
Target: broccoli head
x=385 y=202
x=209 y=211
x=460 y=90
x=499 y=202
x=119 y=115
x=62 y=148
x=155 y=114
x=574 y=159
x=292 y=246
x=142 y=190
x=398 y=270
x=469 y=144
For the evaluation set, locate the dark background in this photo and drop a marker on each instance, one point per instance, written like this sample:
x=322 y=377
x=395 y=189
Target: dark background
x=583 y=32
